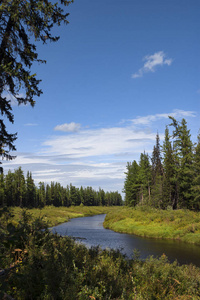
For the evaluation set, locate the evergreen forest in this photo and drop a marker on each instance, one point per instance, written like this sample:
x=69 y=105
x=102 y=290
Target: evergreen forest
x=170 y=178
x=16 y=190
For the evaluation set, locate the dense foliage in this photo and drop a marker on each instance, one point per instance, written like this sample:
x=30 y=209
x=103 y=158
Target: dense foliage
x=171 y=176
x=39 y=265
x=22 y=22
x=16 y=190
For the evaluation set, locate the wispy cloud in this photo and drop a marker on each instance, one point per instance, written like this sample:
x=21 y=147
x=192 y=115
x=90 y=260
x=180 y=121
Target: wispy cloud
x=176 y=113
x=31 y=124
x=95 y=157
x=98 y=142
x=152 y=62
x=68 y=127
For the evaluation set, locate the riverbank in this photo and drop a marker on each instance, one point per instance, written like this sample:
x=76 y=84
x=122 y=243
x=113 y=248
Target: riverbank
x=37 y=264
x=42 y=265
x=183 y=225
x=58 y=215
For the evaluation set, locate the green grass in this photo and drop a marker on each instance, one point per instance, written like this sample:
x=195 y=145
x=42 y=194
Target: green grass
x=181 y=225
x=53 y=267
x=57 y=215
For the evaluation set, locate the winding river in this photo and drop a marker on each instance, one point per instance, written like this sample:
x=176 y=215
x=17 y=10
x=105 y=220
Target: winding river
x=90 y=231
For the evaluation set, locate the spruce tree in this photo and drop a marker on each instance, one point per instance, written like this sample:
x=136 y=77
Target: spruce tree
x=20 y=188
x=131 y=184
x=169 y=178
x=157 y=175
x=41 y=197
x=144 y=178
x=48 y=195
x=30 y=191
x=9 y=186
x=196 y=180
x=20 y=23
x=184 y=160
x=2 y=191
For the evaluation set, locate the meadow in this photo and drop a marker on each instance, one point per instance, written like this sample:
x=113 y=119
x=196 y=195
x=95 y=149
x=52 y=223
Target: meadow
x=145 y=221
x=57 y=215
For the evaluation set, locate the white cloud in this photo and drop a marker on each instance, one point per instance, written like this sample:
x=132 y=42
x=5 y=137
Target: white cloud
x=68 y=127
x=98 y=142
x=12 y=99
x=177 y=113
x=31 y=124
x=94 y=157
x=151 y=62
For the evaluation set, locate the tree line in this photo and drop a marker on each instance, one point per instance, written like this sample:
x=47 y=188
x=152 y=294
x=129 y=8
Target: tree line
x=170 y=178
x=16 y=190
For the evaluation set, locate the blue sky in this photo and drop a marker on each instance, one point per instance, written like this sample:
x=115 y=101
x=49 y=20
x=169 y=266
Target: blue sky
x=110 y=82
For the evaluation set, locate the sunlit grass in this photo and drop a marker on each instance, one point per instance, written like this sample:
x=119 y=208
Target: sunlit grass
x=182 y=225
x=57 y=215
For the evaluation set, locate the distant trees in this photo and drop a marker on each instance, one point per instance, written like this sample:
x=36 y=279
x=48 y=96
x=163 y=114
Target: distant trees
x=16 y=190
x=173 y=177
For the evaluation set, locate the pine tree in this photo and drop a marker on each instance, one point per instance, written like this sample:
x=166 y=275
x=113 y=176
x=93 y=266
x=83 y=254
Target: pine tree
x=20 y=187
x=131 y=184
x=10 y=189
x=196 y=180
x=20 y=23
x=48 y=195
x=2 y=191
x=144 y=178
x=184 y=157
x=30 y=191
x=41 y=197
x=157 y=175
x=102 y=197
x=74 y=195
x=169 y=179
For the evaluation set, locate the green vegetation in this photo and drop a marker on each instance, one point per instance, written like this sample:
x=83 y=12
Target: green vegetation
x=170 y=177
x=57 y=215
x=39 y=265
x=16 y=190
x=145 y=221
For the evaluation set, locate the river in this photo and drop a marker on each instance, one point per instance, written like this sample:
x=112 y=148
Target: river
x=90 y=231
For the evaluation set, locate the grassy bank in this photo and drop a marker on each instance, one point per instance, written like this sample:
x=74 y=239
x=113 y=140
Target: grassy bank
x=41 y=265
x=181 y=225
x=57 y=215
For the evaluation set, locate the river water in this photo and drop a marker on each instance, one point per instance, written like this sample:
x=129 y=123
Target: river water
x=90 y=231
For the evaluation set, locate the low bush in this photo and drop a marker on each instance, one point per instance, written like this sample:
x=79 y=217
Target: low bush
x=52 y=267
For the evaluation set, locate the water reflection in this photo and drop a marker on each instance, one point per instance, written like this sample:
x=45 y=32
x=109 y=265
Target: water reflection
x=91 y=232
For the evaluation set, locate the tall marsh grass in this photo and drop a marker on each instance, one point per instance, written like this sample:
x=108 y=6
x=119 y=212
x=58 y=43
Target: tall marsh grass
x=57 y=215
x=180 y=224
